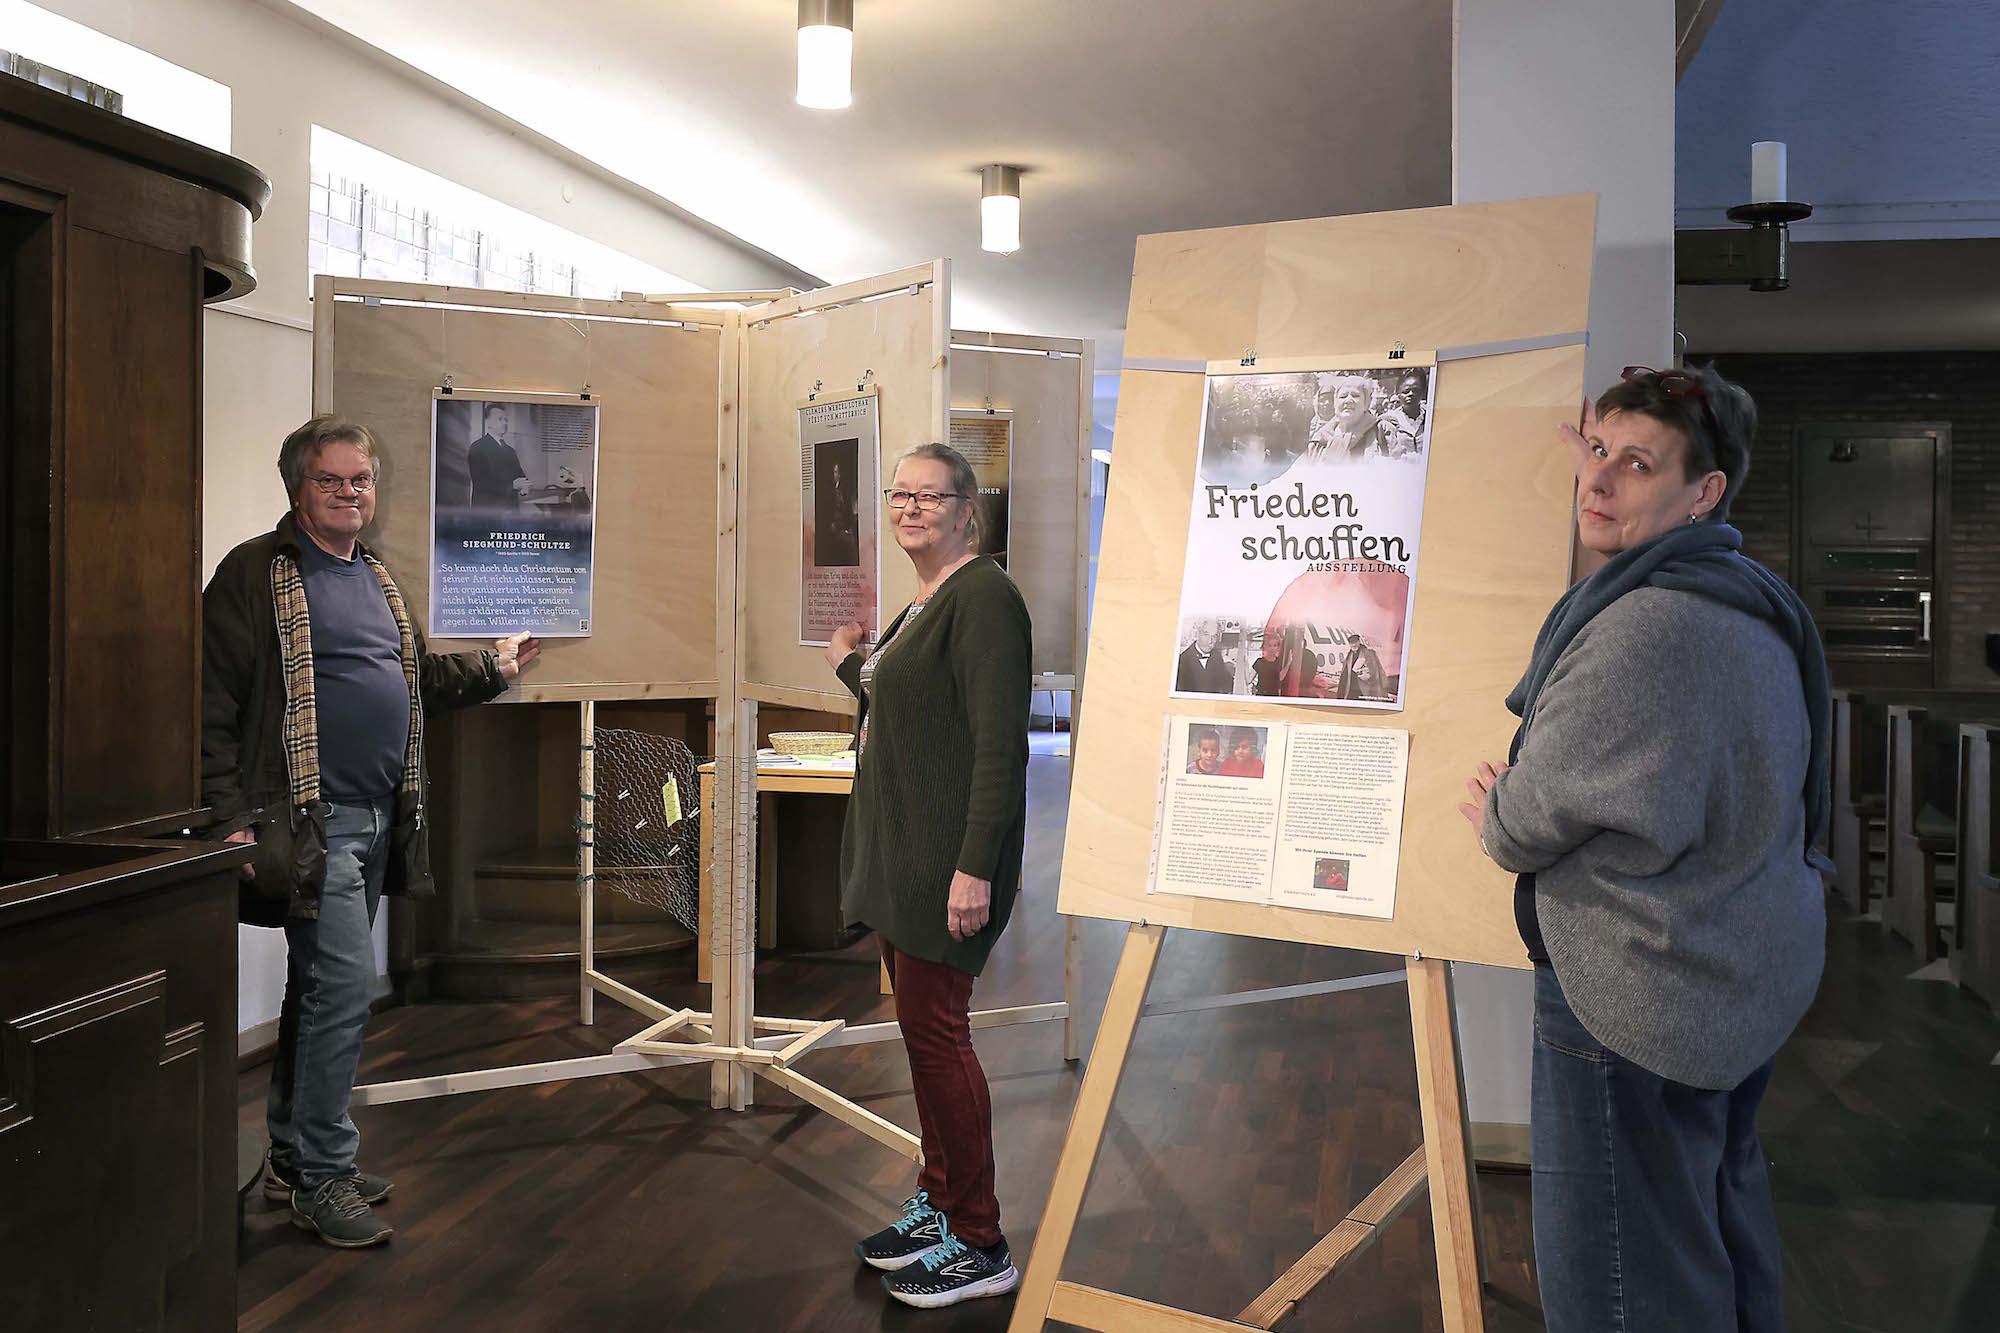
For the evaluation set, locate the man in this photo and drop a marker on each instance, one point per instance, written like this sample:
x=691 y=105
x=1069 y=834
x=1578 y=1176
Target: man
x=1201 y=668
x=1403 y=424
x=498 y=479
x=315 y=683
x=1322 y=418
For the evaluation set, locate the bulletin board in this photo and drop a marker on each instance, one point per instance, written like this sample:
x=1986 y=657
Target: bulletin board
x=382 y=350
x=891 y=334
x=1501 y=293
x=1044 y=384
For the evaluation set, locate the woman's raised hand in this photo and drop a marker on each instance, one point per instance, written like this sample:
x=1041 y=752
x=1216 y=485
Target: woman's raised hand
x=842 y=642
x=1578 y=441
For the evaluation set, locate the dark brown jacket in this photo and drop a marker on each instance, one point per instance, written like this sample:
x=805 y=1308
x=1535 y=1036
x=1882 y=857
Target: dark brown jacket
x=245 y=778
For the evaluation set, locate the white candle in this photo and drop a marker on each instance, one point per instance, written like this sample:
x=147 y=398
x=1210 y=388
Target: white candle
x=1767 y=173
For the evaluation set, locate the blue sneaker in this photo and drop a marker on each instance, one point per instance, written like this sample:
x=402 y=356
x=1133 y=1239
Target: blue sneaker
x=954 y=1272
x=907 y=1239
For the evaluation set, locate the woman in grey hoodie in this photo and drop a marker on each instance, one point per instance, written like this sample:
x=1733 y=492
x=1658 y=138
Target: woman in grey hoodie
x=1664 y=796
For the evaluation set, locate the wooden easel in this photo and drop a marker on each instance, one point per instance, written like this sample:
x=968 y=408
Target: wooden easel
x=1500 y=293
x=1443 y=1163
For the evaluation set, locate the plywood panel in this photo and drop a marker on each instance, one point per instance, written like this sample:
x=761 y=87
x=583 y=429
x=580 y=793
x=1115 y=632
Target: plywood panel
x=1430 y=277
x=658 y=388
x=1495 y=544
x=1044 y=394
x=903 y=339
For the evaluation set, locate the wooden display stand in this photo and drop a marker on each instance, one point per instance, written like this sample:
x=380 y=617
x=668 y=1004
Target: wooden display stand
x=1501 y=291
x=687 y=388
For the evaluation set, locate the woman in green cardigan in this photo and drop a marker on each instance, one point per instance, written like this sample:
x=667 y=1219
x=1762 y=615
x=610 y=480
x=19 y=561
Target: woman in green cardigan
x=931 y=857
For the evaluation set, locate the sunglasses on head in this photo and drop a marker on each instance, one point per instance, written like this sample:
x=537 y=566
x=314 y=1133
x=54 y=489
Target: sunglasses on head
x=1673 y=383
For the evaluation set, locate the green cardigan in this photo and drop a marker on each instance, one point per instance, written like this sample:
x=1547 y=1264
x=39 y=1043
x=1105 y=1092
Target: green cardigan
x=943 y=783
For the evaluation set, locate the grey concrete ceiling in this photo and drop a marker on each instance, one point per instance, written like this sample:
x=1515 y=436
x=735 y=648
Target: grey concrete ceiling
x=1890 y=110
x=1893 y=123
x=1129 y=116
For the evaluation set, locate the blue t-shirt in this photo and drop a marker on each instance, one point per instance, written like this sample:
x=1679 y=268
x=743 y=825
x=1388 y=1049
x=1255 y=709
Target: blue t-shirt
x=358 y=684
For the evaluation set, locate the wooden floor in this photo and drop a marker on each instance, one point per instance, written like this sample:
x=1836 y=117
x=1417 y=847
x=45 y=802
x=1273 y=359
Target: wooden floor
x=1239 y=1137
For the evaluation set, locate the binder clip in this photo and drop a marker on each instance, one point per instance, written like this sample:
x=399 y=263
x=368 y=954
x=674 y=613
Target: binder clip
x=813 y=397
x=1396 y=352
x=585 y=394
x=445 y=388
x=861 y=385
x=1249 y=357
x=989 y=406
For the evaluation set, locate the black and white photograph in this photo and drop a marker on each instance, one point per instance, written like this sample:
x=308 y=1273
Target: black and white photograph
x=1258 y=426
x=1206 y=665
x=512 y=521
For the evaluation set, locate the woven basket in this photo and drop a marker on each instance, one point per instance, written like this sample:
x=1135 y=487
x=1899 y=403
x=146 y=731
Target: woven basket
x=811 y=742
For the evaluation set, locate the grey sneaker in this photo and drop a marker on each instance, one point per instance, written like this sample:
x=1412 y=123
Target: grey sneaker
x=278 y=1185
x=336 y=1213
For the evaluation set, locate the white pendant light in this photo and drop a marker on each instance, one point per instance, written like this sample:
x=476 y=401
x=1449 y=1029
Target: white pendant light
x=826 y=54
x=1000 y=209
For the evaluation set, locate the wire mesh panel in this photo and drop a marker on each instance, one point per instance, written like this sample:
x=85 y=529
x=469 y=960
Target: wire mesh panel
x=648 y=815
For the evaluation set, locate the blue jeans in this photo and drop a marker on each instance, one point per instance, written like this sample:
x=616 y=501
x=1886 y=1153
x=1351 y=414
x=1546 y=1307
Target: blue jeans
x=329 y=983
x=1652 y=1206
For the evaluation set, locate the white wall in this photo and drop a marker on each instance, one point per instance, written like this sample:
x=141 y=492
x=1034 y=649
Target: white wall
x=1558 y=97
x=287 y=72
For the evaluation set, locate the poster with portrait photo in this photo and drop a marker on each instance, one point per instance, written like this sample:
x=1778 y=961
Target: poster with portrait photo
x=1303 y=528
x=512 y=520
x=1291 y=814
x=986 y=438
x=839 y=505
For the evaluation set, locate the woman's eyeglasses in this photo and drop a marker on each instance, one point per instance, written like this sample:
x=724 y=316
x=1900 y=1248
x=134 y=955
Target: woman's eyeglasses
x=330 y=485
x=925 y=501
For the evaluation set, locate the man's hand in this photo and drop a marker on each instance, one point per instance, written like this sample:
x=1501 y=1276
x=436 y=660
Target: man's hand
x=248 y=835
x=970 y=905
x=516 y=651
x=1479 y=784
x=843 y=642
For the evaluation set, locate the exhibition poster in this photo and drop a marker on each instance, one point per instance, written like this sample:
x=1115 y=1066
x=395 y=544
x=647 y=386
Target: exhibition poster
x=839 y=505
x=986 y=438
x=1290 y=814
x=1302 y=535
x=512 y=477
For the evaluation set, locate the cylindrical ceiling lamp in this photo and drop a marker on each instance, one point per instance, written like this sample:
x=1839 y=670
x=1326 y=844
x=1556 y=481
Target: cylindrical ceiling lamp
x=826 y=54
x=1000 y=209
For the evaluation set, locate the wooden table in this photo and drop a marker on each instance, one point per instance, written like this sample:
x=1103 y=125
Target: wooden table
x=773 y=781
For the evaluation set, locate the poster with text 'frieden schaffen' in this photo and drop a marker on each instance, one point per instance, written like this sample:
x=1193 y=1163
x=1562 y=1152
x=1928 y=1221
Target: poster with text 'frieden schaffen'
x=1302 y=534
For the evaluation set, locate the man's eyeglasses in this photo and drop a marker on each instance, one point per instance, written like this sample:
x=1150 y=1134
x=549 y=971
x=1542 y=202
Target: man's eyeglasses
x=926 y=501
x=329 y=485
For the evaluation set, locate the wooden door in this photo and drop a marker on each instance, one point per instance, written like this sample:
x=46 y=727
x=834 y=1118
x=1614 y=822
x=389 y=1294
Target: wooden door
x=1869 y=556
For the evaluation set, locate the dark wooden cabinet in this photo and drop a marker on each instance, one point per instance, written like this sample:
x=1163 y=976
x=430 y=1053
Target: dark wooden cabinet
x=117 y=1086
x=117 y=958
x=112 y=235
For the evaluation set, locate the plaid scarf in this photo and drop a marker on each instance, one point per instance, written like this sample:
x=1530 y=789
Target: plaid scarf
x=295 y=658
